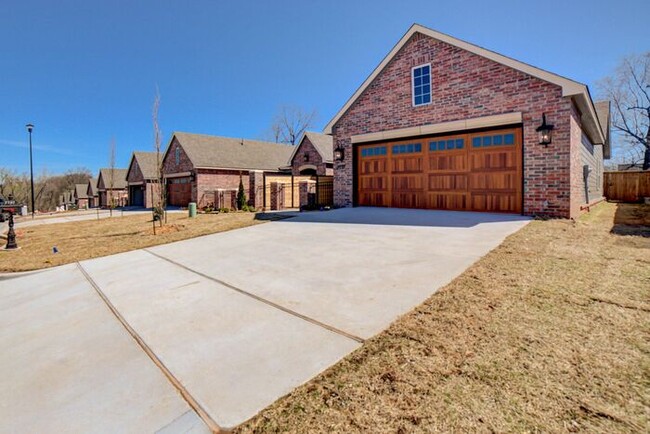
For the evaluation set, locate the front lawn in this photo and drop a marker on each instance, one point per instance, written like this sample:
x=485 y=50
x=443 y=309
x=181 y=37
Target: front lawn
x=550 y=332
x=76 y=241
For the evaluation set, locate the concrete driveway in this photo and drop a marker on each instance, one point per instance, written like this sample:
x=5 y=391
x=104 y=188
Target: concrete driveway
x=230 y=321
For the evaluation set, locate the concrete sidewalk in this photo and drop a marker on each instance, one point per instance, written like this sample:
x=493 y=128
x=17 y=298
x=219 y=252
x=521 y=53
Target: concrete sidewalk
x=230 y=322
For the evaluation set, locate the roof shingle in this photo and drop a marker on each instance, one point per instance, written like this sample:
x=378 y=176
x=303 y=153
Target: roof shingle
x=119 y=178
x=230 y=153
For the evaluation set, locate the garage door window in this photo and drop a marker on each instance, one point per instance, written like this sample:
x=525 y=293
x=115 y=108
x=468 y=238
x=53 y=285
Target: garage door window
x=493 y=140
x=421 y=78
x=408 y=148
x=374 y=152
x=442 y=145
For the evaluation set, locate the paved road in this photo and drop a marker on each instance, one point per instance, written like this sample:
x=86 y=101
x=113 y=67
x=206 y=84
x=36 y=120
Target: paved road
x=232 y=321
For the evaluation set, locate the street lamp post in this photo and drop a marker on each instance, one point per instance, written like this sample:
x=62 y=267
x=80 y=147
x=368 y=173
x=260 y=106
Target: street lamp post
x=30 y=127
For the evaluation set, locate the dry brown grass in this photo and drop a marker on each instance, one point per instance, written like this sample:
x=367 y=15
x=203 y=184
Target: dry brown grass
x=87 y=239
x=550 y=332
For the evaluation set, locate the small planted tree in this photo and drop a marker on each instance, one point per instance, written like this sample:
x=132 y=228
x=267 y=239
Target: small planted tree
x=160 y=202
x=111 y=178
x=241 y=196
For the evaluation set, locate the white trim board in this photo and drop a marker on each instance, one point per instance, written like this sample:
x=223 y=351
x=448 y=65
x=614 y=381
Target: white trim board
x=443 y=127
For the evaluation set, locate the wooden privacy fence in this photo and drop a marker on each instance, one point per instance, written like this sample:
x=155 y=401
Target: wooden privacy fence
x=627 y=186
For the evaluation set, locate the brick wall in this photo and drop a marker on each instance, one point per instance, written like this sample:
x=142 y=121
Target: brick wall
x=134 y=173
x=465 y=85
x=210 y=180
x=169 y=162
x=307 y=155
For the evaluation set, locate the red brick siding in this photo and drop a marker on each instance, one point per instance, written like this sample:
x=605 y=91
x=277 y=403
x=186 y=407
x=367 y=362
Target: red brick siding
x=465 y=85
x=134 y=174
x=307 y=149
x=151 y=194
x=209 y=180
x=169 y=162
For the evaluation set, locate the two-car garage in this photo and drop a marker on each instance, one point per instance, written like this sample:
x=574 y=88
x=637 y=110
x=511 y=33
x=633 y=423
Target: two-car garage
x=476 y=171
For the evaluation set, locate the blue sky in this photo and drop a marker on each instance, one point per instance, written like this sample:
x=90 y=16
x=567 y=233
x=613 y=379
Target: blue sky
x=85 y=72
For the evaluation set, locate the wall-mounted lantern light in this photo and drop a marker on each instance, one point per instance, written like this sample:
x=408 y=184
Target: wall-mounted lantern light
x=339 y=153
x=545 y=132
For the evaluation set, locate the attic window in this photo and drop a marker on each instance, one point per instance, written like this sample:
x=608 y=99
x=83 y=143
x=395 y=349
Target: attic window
x=177 y=156
x=306 y=158
x=421 y=84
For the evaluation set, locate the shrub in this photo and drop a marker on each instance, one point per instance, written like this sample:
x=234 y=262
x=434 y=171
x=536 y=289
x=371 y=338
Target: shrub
x=241 y=195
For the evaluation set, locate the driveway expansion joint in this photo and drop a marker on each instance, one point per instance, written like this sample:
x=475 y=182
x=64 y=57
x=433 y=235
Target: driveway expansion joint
x=261 y=299
x=154 y=358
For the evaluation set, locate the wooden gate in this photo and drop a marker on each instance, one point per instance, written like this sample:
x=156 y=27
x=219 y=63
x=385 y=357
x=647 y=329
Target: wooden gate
x=627 y=186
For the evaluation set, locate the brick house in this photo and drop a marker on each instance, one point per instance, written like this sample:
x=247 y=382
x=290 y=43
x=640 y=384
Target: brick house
x=112 y=188
x=445 y=124
x=314 y=155
x=142 y=179
x=91 y=192
x=81 y=196
x=199 y=168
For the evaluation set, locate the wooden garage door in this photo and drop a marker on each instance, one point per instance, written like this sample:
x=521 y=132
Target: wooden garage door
x=179 y=191
x=468 y=172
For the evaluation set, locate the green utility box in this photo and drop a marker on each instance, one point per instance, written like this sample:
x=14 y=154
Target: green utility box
x=192 y=209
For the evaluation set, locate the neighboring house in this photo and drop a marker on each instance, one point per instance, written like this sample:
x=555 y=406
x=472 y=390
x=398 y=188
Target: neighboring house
x=112 y=188
x=314 y=155
x=445 y=124
x=142 y=179
x=66 y=200
x=196 y=167
x=629 y=167
x=91 y=192
x=81 y=195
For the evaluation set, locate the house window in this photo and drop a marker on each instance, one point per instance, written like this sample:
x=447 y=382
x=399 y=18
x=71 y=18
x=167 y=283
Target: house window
x=177 y=155
x=421 y=83
x=306 y=158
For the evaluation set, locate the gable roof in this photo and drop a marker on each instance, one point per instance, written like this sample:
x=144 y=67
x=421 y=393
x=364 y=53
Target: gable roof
x=147 y=162
x=81 y=191
x=91 y=187
x=603 y=113
x=119 y=178
x=217 y=152
x=323 y=143
x=570 y=88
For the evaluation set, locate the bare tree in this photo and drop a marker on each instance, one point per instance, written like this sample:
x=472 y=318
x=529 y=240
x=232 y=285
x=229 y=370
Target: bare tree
x=290 y=123
x=628 y=89
x=160 y=207
x=111 y=177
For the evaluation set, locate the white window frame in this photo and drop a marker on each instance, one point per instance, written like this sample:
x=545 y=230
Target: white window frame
x=413 y=85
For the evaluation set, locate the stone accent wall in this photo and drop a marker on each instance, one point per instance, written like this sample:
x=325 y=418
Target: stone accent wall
x=465 y=85
x=307 y=155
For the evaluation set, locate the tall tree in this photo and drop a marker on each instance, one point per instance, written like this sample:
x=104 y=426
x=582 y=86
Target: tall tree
x=628 y=89
x=290 y=123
